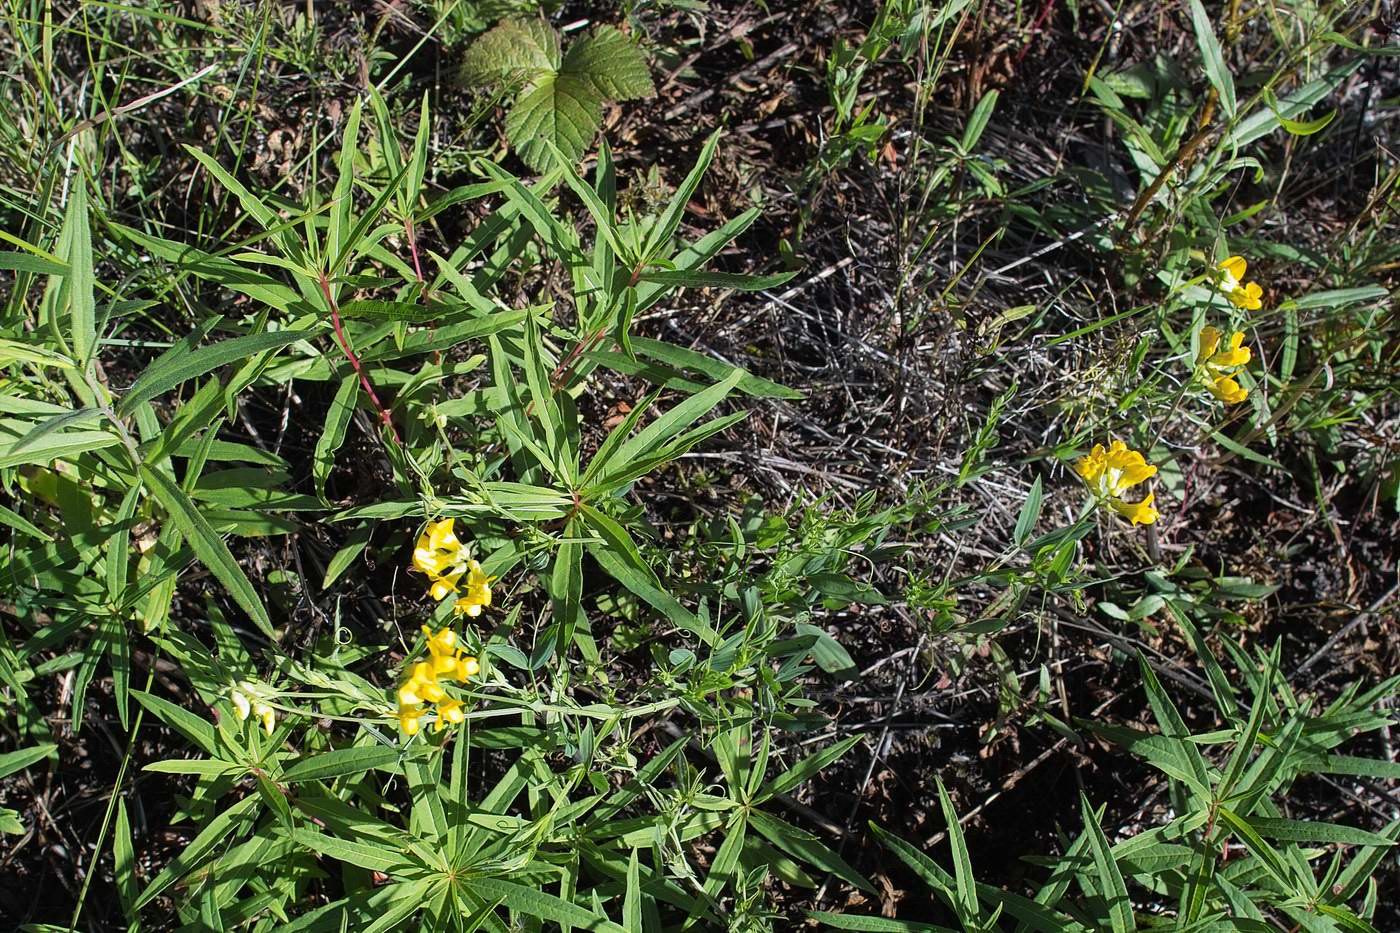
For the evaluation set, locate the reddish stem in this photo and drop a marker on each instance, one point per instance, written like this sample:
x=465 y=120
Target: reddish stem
x=355 y=363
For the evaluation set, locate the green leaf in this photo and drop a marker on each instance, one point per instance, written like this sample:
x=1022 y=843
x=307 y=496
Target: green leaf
x=650 y=438
x=1030 y=514
x=693 y=279
x=11 y=762
x=376 y=309
x=670 y=220
x=343 y=761
x=337 y=420
x=124 y=860
x=533 y=902
x=212 y=834
x=977 y=123
x=1111 y=886
x=363 y=854
x=168 y=372
x=208 y=547
x=965 y=887
x=75 y=248
x=632 y=900
x=618 y=555
x=27 y=262
x=562 y=109
x=79 y=417
x=807 y=768
x=560 y=103
x=1213 y=58
x=514 y=49
x=613 y=64
x=1313 y=831
x=60 y=446
x=192 y=727
x=874 y=924
x=807 y=847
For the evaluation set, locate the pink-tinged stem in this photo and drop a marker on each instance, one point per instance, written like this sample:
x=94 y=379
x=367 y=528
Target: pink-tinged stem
x=355 y=360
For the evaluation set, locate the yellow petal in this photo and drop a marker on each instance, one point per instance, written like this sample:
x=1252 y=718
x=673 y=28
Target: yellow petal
x=408 y=694
x=1139 y=513
x=1210 y=340
x=1228 y=390
x=1090 y=467
x=441 y=535
x=469 y=666
x=433 y=693
x=1249 y=297
x=451 y=711
x=1234 y=267
x=241 y=704
x=408 y=718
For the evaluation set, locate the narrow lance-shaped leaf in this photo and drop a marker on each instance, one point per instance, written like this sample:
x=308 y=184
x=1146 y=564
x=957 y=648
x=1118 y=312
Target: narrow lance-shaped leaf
x=207 y=546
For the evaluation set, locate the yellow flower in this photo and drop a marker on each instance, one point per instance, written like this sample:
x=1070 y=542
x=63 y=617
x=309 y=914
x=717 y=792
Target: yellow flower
x=1230 y=281
x=449 y=713
x=438 y=548
x=247 y=701
x=423 y=686
x=1216 y=368
x=242 y=706
x=1228 y=390
x=409 y=715
x=1139 y=513
x=478 y=592
x=1110 y=472
x=441 y=556
x=266 y=715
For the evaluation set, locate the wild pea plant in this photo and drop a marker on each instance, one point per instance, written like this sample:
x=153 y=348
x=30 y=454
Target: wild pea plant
x=312 y=776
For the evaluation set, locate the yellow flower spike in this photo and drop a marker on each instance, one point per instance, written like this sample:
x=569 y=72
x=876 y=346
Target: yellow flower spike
x=1234 y=269
x=1249 y=298
x=443 y=642
x=1210 y=342
x=441 y=535
x=478 y=591
x=1216 y=367
x=437 y=550
x=1091 y=467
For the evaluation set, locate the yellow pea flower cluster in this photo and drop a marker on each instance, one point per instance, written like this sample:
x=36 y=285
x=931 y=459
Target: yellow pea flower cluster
x=1110 y=472
x=446 y=661
x=449 y=569
x=246 y=702
x=1230 y=280
x=1217 y=368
